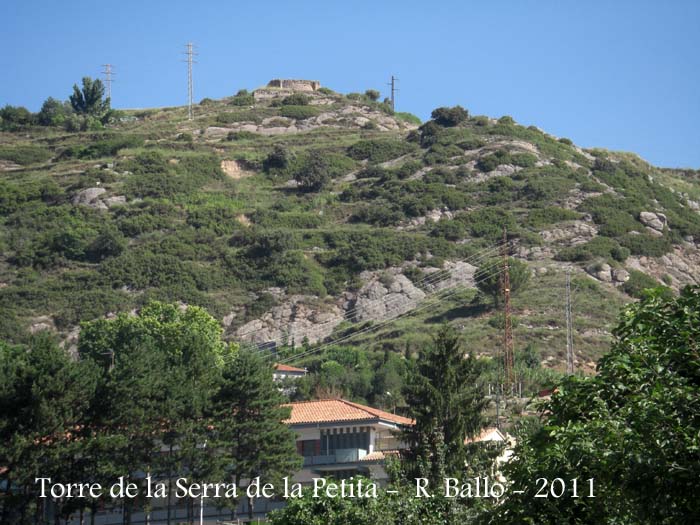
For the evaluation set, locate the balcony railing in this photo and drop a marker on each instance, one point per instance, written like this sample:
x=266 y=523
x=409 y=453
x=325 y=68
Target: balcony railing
x=341 y=455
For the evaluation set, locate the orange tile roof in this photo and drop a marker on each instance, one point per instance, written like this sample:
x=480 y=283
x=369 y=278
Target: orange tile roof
x=487 y=432
x=332 y=410
x=286 y=368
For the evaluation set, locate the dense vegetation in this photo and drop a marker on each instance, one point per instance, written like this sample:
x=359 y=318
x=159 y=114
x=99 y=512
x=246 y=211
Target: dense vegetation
x=307 y=211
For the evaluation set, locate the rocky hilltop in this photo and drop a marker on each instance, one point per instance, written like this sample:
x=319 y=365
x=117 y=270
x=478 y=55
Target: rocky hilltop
x=298 y=214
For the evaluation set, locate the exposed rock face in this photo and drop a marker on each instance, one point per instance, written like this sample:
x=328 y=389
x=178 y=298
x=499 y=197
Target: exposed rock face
x=232 y=168
x=682 y=265
x=297 y=317
x=385 y=296
x=577 y=232
x=457 y=273
x=620 y=275
x=655 y=221
x=90 y=197
x=41 y=323
x=602 y=272
x=117 y=200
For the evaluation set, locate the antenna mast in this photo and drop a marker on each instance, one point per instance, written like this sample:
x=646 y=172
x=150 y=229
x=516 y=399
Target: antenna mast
x=569 y=327
x=190 y=89
x=509 y=378
x=108 y=78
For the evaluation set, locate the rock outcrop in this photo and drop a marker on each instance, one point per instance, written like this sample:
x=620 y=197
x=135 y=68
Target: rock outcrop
x=384 y=296
x=297 y=316
x=90 y=197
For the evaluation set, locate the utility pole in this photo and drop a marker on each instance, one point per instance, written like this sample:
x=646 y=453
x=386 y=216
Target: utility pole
x=190 y=90
x=569 y=327
x=394 y=89
x=509 y=374
x=108 y=78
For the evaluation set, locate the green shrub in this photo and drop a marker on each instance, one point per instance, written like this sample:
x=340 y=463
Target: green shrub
x=379 y=150
x=241 y=135
x=638 y=283
x=318 y=167
x=449 y=229
x=595 y=248
x=440 y=154
x=372 y=94
x=104 y=148
x=492 y=161
x=539 y=217
x=379 y=214
x=448 y=117
x=238 y=116
x=471 y=144
x=566 y=141
x=24 y=155
x=408 y=117
x=299 y=112
x=242 y=98
x=280 y=158
x=488 y=222
x=296 y=99
x=524 y=160
x=646 y=244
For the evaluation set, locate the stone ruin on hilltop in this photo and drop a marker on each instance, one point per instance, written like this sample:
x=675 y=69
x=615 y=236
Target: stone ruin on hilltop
x=294 y=85
x=281 y=87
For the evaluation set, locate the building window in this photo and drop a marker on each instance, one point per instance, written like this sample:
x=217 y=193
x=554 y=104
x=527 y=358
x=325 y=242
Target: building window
x=308 y=447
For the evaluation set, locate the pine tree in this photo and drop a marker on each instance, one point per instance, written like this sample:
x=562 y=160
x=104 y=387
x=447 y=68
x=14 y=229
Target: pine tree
x=249 y=420
x=89 y=99
x=447 y=404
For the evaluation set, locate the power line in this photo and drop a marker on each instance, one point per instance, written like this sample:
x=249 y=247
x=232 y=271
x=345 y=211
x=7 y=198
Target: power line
x=108 y=73
x=190 y=88
x=432 y=280
x=494 y=269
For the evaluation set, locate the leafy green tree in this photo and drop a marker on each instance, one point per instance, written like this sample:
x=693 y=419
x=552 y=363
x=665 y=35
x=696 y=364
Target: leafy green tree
x=449 y=117
x=634 y=428
x=444 y=399
x=249 y=431
x=160 y=371
x=488 y=278
x=372 y=94
x=314 y=173
x=89 y=99
x=52 y=113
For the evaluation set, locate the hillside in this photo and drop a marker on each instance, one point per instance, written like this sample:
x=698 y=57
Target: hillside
x=295 y=215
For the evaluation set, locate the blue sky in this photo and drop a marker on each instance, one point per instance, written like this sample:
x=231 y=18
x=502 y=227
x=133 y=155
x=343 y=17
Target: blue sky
x=622 y=75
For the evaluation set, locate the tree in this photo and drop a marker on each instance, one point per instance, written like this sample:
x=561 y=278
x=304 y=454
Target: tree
x=250 y=432
x=88 y=100
x=44 y=400
x=314 y=173
x=449 y=117
x=52 y=113
x=488 y=278
x=444 y=399
x=160 y=369
x=634 y=427
x=372 y=94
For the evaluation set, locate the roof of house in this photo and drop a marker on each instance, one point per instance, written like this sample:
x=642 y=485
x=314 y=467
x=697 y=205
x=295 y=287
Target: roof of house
x=286 y=368
x=487 y=434
x=334 y=410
